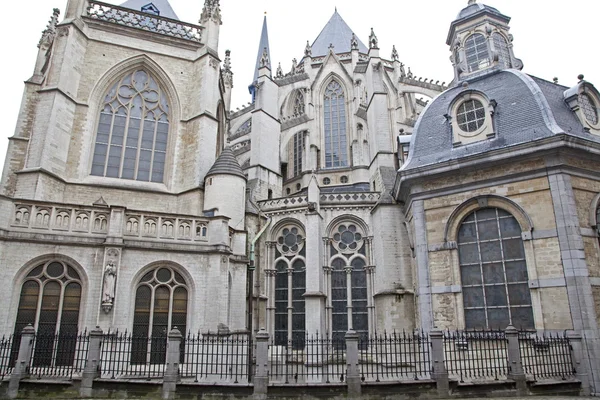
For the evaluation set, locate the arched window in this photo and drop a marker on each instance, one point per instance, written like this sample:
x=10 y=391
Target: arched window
x=131 y=141
x=336 y=146
x=348 y=281
x=295 y=153
x=49 y=301
x=493 y=271
x=290 y=286
x=502 y=48
x=160 y=305
x=476 y=51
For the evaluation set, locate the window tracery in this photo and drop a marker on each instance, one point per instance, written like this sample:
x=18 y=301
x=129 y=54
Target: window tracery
x=336 y=146
x=133 y=128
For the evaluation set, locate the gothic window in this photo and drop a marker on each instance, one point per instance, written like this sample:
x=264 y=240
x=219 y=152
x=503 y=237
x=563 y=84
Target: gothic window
x=160 y=305
x=502 y=49
x=493 y=271
x=299 y=107
x=295 y=153
x=476 y=51
x=49 y=301
x=348 y=281
x=131 y=141
x=290 y=286
x=336 y=146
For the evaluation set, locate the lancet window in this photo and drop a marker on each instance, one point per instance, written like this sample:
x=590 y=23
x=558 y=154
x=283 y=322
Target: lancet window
x=295 y=153
x=131 y=140
x=336 y=144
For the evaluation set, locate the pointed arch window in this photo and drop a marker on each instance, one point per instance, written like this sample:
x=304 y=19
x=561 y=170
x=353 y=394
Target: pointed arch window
x=493 y=271
x=501 y=47
x=160 y=305
x=131 y=139
x=49 y=301
x=336 y=144
x=476 y=51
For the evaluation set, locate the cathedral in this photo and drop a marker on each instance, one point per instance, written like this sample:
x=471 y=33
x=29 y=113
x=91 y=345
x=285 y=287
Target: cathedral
x=134 y=198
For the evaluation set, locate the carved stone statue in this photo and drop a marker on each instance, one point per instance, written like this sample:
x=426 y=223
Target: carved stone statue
x=110 y=276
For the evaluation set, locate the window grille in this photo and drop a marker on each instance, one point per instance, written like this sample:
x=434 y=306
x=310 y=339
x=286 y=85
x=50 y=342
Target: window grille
x=470 y=115
x=502 y=49
x=336 y=146
x=494 y=271
x=131 y=140
x=477 y=53
x=590 y=111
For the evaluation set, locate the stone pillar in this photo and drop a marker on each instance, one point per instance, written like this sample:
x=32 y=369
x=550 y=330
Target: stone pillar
x=352 y=371
x=172 y=367
x=21 y=369
x=92 y=365
x=580 y=367
x=261 y=376
x=515 y=367
x=440 y=374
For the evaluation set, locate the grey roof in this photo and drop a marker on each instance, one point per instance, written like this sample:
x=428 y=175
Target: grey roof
x=337 y=33
x=226 y=164
x=262 y=45
x=528 y=109
x=163 y=6
x=475 y=8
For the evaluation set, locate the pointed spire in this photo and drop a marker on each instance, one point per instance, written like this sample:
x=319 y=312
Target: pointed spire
x=263 y=47
x=211 y=11
x=227 y=73
x=353 y=42
x=373 y=42
x=338 y=33
x=50 y=32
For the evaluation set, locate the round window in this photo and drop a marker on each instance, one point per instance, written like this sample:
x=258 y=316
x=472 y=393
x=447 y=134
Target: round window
x=326 y=181
x=589 y=108
x=470 y=115
x=344 y=179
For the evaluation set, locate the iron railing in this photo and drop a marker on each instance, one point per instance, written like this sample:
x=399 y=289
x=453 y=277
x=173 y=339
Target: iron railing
x=6 y=362
x=392 y=357
x=210 y=358
x=59 y=355
x=314 y=359
x=126 y=356
x=473 y=356
x=546 y=357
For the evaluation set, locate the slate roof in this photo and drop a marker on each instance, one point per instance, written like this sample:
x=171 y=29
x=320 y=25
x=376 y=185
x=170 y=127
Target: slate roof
x=163 y=6
x=528 y=109
x=338 y=33
x=474 y=8
x=226 y=164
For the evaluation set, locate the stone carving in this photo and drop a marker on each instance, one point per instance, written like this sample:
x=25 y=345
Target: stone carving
x=354 y=42
x=395 y=56
x=279 y=73
x=108 y=290
x=211 y=11
x=50 y=32
x=227 y=72
x=373 y=42
x=308 y=49
x=264 y=59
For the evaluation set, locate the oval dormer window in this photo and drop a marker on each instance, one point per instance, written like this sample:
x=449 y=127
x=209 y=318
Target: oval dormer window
x=470 y=115
x=476 y=51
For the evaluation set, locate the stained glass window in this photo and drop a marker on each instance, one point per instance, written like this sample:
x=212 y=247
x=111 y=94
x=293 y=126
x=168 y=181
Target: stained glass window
x=493 y=271
x=131 y=140
x=476 y=51
x=470 y=115
x=336 y=146
x=502 y=49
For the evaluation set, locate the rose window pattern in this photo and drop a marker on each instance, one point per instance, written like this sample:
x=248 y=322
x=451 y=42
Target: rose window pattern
x=347 y=239
x=290 y=241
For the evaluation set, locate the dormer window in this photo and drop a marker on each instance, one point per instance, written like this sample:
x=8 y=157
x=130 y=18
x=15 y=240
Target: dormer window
x=583 y=99
x=476 y=51
x=150 y=9
x=590 y=111
x=471 y=116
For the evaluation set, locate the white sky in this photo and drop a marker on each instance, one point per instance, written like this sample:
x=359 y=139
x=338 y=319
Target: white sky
x=553 y=38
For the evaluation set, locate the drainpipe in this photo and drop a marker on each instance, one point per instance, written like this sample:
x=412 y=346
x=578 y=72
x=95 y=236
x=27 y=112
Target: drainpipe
x=251 y=269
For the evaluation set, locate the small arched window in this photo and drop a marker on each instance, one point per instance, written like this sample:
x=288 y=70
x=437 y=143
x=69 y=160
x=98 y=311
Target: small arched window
x=160 y=305
x=336 y=145
x=495 y=283
x=49 y=301
x=476 y=51
x=131 y=140
x=502 y=49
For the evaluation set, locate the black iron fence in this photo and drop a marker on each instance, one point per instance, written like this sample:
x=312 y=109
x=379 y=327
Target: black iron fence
x=314 y=359
x=549 y=356
x=61 y=355
x=211 y=358
x=127 y=356
x=394 y=357
x=471 y=356
x=6 y=362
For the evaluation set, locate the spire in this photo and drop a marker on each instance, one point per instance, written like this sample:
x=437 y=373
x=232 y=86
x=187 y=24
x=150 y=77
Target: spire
x=337 y=33
x=226 y=164
x=211 y=11
x=50 y=31
x=263 y=48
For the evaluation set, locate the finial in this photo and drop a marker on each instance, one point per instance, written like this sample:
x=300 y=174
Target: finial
x=308 y=49
x=373 y=42
x=336 y=9
x=472 y=2
x=211 y=11
x=555 y=80
x=395 y=55
x=353 y=42
x=50 y=31
x=580 y=77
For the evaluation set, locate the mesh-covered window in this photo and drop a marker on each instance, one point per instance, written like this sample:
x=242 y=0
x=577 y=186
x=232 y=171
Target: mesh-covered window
x=476 y=51
x=49 y=301
x=590 y=111
x=502 y=48
x=160 y=305
x=493 y=271
x=131 y=140
x=290 y=286
x=470 y=115
x=336 y=146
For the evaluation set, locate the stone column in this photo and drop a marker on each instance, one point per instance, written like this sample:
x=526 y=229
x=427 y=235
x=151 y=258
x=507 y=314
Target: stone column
x=515 y=366
x=440 y=374
x=580 y=367
x=352 y=371
x=172 y=367
x=261 y=376
x=21 y=369
x=92 y=365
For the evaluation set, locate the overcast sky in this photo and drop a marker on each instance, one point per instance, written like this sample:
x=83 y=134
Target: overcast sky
x=554 y=39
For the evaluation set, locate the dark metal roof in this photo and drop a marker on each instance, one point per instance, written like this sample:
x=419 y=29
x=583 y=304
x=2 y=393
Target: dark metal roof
x=528 y=109
x=474 y=8
x=162 y=5
x=226 y=164
x=262 y=45
x=337 y=33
